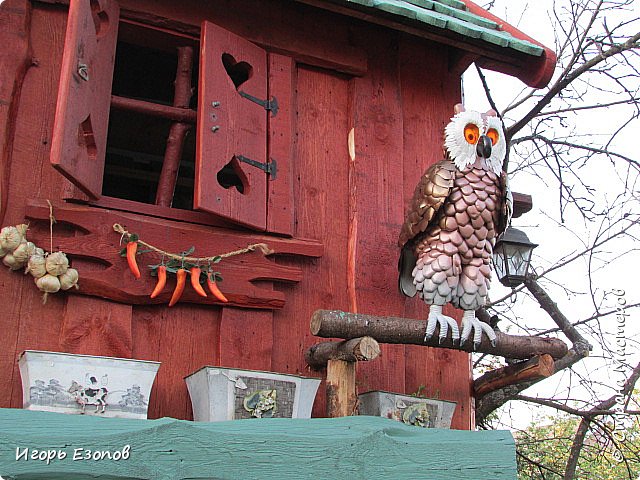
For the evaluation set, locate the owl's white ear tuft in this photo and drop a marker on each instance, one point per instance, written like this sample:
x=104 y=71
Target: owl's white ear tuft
x=491 y=113
x=458 y=108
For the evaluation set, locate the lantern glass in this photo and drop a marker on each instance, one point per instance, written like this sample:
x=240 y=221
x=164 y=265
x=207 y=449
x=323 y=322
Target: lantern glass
x=511 y=257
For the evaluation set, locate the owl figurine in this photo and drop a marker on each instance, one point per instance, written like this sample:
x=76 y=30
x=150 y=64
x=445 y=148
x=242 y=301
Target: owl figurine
x=459 y=207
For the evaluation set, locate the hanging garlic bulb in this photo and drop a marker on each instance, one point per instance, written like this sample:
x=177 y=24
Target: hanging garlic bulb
x=37 y=265
x=24 y=251
x=69 y=279
x=10 y=261
x=57 y=263
x=10 y=238
x=48 y=283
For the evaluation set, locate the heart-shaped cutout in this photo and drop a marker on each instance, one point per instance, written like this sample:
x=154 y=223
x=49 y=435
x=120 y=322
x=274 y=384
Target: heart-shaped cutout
x=239 y=72
x=231 y=175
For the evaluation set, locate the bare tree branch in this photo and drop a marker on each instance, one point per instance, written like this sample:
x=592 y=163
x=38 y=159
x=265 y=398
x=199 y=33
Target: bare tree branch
x=583 y=428
x=565 y=80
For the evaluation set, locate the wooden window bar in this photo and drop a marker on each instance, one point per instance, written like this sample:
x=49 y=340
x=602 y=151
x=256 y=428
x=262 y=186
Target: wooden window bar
x=183 y=119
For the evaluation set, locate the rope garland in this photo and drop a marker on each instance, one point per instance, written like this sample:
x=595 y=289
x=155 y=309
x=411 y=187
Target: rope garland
x=52 y=220
x=263 y=247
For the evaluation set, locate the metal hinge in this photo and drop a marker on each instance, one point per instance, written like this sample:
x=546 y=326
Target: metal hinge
x=271 y=168
x=269 y=105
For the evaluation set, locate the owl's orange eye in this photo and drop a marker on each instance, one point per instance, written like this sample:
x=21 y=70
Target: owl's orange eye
x=471 y=133
x=492 y=133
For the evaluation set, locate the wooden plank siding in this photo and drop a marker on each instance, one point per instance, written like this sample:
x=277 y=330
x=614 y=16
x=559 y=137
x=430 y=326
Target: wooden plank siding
x=397 y=110
x=380 y=203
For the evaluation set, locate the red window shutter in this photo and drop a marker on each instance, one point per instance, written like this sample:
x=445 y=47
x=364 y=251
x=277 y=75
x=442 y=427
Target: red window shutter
x=231 y=128
x=82 y=113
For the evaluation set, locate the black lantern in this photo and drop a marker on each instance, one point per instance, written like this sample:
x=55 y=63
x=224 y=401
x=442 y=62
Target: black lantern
x=511 y=257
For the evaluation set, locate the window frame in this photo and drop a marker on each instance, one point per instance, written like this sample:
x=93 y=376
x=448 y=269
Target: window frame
x=276 y=199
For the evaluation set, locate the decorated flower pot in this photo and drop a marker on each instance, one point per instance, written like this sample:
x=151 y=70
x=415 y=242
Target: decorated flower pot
x=85 y=384
x=422 y=412
x=219 y=394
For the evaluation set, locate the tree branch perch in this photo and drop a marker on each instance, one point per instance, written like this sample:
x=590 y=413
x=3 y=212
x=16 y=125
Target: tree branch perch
x=338 y=324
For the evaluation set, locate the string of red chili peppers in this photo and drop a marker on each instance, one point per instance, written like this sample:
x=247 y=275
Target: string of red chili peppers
x=179 y=264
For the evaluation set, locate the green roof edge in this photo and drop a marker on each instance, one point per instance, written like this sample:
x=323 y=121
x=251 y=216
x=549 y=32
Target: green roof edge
x=442 y=14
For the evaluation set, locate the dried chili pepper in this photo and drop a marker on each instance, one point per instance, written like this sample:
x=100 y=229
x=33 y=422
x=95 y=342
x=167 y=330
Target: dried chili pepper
x=132 y=248
x=195 y=281
x=213 y=288
x=162 y=280
x=181 y=277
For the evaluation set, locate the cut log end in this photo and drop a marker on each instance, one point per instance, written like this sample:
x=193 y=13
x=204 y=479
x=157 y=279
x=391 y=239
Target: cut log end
x=536 y=368
x=354 y=350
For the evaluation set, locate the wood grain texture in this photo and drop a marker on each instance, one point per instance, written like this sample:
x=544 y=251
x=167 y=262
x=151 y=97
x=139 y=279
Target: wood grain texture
x=492 y=56
x=538 y=367
x=183 y=92
x=378 y=125
x=153 y=109
x=320 y=202
x=246 y=339
x=79 y=140
x=341 y=388
x=328 y=448
x=280 y=147
x=92 y=326
x=317 y=39
x=183 y=339
x=397 y=330
x=354 y=350
x=27 y=323
x=233 y=127
x=15 y=60
x=109 y=277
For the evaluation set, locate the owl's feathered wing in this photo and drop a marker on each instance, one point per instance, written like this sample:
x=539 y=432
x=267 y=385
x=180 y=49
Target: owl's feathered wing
x=428 y=198
x=430 y=195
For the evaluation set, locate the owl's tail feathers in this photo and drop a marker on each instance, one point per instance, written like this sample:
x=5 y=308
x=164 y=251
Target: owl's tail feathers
x=406 y=264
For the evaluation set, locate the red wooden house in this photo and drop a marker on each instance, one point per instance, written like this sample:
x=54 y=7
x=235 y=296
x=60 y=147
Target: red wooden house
x=300 y=124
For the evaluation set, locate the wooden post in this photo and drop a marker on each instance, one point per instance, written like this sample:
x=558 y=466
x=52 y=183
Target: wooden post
x=341 y=388
x=337 y=324
x=534 y=369
x=340 y=358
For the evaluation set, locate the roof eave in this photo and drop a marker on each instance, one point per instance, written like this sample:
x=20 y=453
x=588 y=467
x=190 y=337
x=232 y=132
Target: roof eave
x=534 y=70
x=538 y=72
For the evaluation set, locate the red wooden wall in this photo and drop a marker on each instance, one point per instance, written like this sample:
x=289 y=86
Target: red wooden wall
x=397 y=111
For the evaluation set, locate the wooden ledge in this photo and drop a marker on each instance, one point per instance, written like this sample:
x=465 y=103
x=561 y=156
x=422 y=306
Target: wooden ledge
x=86 y=235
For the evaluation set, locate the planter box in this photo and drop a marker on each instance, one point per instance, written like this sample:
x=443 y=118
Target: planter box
x=219 y=394
x=69 y=383
x=423 y=412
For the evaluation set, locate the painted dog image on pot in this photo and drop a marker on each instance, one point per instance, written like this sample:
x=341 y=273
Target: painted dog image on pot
x=91 y=395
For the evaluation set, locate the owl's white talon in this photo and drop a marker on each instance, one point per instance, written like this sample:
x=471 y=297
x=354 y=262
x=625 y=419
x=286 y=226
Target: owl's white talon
x=471 y=323
x=437 y=318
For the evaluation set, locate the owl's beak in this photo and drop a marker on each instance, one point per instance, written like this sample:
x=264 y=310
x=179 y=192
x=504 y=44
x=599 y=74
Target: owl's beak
x=483 y=147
